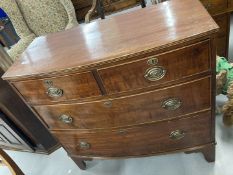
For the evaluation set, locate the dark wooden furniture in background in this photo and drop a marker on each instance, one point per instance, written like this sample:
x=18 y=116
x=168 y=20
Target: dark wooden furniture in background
x=143 y=88
x=220 y=10
x=10 y=137
x=98 y=5
x=83 y=6
x=24 y=121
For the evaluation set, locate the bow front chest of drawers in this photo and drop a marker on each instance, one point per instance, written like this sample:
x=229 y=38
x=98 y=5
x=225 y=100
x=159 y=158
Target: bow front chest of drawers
x=137 y=84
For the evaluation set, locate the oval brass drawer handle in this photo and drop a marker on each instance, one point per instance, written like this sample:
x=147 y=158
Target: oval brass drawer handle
x=55 y=92
x=84 y=145
x=172 y=104
x=177 y=134
x=66 y=119
x=155 y=73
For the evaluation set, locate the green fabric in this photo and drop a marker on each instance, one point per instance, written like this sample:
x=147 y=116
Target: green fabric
x=223 y=64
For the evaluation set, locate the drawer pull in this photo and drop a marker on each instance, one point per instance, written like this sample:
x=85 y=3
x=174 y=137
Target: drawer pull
x=108 y=104
x=122 y=132
x=152 y=61
x=155 y=73
x=84 y=145
x=55 y=92
x=177 y=134
x=66 y=119
x=172 y=104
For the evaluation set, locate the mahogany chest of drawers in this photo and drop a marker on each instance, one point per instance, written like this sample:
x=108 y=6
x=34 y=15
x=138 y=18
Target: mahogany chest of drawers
x=137 y=84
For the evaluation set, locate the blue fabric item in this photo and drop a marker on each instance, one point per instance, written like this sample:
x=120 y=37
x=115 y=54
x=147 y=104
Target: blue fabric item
x=2 y=14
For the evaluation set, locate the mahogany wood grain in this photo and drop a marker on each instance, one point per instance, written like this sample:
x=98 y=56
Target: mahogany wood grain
x=74 y=87
x=139 y=140
x=186 y=61
x=157 y=26
x=135 y=109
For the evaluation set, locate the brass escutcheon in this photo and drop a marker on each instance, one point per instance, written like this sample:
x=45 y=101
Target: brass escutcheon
x=48 y=83
x=152 y=61
x=122 y=132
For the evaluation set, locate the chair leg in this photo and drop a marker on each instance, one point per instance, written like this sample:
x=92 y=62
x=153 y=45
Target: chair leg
x=100 y=9
x=91 y=11
x=143 y=3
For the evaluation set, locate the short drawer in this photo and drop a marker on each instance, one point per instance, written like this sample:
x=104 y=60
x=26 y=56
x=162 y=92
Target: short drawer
x=70 y=87
x=139 y=140
x=130 y=110
x=157 y=69
x=215 y=6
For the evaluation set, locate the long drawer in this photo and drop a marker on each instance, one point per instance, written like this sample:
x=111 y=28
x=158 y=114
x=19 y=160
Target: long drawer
x=157 y=69
x=56 y=89
x=130 y=110
x=139 y=140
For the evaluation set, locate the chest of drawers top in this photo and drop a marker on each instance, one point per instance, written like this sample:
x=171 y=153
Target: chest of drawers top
x=121 y=37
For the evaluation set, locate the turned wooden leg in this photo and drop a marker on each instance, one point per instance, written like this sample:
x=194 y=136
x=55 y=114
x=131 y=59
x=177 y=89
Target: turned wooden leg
x=209 y=153
x=80 y=162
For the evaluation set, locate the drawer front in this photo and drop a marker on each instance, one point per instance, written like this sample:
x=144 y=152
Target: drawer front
x=167 y=67
x=139 y=140
x=215 y=6
x=131 y=110
x=56 y=89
